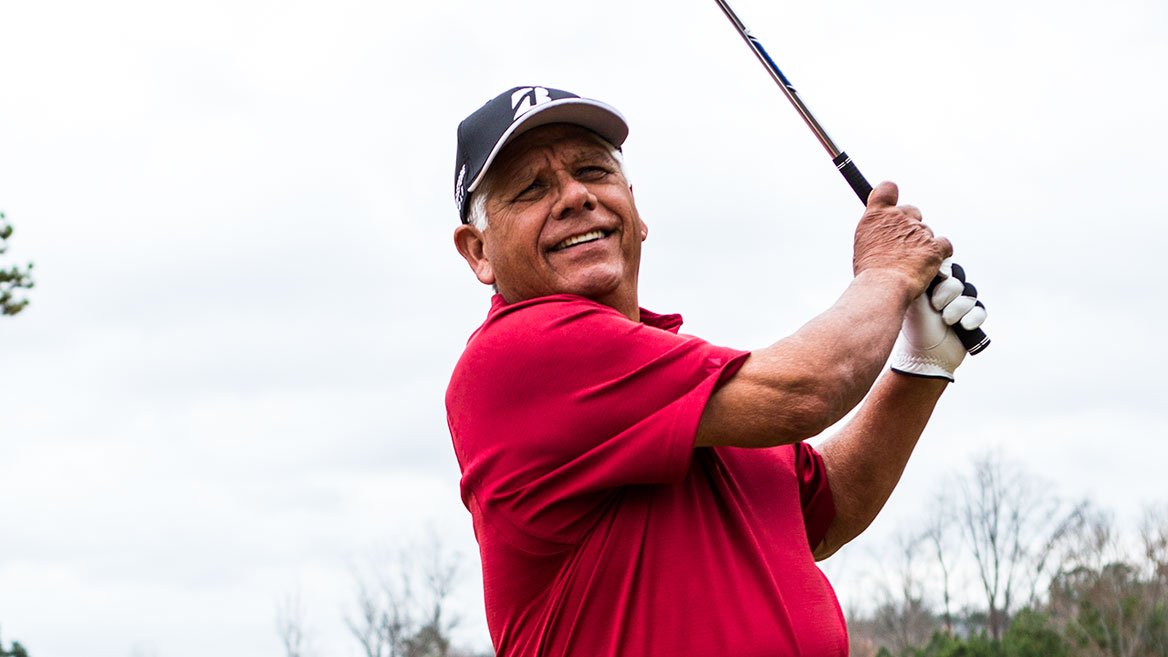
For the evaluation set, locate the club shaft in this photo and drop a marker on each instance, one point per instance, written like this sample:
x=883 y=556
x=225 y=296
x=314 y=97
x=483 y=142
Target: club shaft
x=846 y=167
x=974 y=341
x=781 y=80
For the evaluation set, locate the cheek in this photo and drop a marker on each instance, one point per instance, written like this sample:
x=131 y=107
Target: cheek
x=512 y=250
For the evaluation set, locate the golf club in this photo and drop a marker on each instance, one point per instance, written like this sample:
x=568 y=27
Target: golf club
x=975 y=341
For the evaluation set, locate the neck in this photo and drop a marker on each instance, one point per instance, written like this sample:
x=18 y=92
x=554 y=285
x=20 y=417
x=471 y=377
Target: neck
x=626 y=304
x=627 y=307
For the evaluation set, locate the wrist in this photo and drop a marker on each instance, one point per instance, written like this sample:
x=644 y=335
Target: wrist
x=910 y=389
x=901 y=286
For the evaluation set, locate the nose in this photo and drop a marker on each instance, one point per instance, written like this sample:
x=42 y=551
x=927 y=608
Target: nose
x=575 y=197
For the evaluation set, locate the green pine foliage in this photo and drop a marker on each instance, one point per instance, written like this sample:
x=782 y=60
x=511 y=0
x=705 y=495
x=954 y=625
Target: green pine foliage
x=1029 y=635
x=14 y=650
x=13 y=280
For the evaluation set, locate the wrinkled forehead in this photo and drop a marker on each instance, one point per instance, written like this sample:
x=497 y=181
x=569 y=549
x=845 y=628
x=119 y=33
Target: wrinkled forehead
x=562 y=142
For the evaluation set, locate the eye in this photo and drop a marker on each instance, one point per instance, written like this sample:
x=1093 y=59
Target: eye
x=531 y=191
x=592 y=172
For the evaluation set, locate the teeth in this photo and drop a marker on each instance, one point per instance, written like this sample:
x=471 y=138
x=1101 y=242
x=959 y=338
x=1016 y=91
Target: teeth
x=580 y=239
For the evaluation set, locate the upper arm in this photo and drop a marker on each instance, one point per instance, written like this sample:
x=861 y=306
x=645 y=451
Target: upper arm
x=865 y=459
x=553 y=416
x=778 y=396
x=799 y=386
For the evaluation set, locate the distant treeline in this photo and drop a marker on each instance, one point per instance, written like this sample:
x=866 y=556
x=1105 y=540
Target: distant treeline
x=1002 y=567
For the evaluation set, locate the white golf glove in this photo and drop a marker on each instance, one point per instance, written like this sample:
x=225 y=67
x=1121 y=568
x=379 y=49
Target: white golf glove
x=927 y=345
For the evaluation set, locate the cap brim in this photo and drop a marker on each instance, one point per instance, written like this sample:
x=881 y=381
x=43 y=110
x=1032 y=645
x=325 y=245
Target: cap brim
x=601 y=118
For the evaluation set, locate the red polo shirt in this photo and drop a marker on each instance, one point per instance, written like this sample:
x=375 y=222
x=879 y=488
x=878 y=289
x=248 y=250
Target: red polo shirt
x=603 y=531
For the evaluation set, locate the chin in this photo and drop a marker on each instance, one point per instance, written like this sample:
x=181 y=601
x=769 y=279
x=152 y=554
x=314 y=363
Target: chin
x=595 y=286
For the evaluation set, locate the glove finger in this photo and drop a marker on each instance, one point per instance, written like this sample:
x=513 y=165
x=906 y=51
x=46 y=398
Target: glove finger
x=945 y=292
x=957 y=271
x=957 y=309
x=970 y=291
x=974 y=317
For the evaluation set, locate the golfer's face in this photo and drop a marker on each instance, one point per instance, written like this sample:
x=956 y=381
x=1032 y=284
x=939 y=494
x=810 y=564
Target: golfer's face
x=562 y=219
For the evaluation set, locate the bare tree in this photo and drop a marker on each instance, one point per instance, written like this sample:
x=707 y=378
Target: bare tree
x=938 y=536
x=403 y=604
x=1154 y=535
x=382 y=618
x=1110 y=604
x=902 y=618
x=1012 y=526
x=290 y=626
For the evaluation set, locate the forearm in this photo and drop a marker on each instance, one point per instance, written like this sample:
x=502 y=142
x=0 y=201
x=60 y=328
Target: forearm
x=865 y=460
x=799 y=386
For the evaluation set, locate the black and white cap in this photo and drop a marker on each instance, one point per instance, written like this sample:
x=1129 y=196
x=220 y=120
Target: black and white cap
x=483 y=134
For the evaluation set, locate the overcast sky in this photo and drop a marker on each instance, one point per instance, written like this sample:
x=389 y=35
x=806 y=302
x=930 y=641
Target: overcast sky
x=229 y=384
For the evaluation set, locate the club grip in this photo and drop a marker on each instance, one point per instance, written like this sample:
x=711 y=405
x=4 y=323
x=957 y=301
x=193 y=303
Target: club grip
x=975 y=341
x=851 y=173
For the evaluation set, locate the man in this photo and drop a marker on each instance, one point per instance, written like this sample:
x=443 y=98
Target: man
x=636 y=491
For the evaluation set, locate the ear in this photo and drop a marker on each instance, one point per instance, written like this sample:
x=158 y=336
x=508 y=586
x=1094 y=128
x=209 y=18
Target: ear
x=469 y=242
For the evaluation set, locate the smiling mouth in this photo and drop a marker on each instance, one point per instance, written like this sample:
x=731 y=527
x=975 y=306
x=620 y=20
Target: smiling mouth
x=575 y=240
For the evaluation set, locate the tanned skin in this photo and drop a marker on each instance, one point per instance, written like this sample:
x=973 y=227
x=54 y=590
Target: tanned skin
x=557 y=182
x=799 y=386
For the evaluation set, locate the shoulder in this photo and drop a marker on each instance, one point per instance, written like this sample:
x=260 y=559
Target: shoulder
x=518 y=341
x=555 y=344
x=561 y=328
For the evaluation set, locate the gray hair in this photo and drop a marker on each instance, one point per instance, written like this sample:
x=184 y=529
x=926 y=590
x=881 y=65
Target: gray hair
x=477 y=214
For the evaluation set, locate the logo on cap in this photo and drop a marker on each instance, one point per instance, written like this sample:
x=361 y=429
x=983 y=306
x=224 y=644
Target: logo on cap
x=526 y=98
x=459 y=190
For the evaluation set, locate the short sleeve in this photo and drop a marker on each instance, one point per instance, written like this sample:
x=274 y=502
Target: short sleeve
x=814 y=493
x=556 y=404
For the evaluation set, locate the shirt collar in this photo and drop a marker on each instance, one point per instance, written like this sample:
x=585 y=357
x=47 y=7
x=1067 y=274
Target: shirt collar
x=670 y=322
